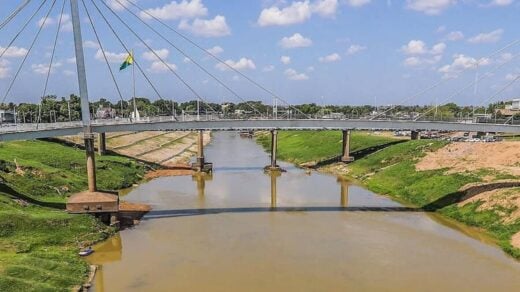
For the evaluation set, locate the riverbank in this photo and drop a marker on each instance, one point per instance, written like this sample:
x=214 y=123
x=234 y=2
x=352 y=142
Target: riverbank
x=39 y=241
x=392 y=171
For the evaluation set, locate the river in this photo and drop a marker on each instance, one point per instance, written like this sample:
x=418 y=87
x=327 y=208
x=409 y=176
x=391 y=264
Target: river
x=243 y=230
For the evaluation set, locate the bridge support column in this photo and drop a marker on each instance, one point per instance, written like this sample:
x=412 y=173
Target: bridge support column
x=102 y=144
x=274 y=147
x=345 y=156
x=201 y=165
x=91 y=162
x=415 y=135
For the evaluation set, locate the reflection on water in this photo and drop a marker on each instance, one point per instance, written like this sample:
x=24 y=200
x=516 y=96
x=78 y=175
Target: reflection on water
x=243 y=230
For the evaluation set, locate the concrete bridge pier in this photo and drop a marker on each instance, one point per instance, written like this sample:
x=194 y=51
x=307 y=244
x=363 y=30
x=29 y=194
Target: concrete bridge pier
x=102 y=144
x=415 y=135
x=91 y=162
x=274 y=147
x=201 y=165
x=345 y=156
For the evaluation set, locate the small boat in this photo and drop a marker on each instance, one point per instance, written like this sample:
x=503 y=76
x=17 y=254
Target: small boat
x=86 y=252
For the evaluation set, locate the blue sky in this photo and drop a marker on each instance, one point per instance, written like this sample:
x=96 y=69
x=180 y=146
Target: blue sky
x=330 y=51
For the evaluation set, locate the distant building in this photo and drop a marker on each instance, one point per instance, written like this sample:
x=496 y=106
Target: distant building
x=105 y=113
x=7 y=117
x=515 y=105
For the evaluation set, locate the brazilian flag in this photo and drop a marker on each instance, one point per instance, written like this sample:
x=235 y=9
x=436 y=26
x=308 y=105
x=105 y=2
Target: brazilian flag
x=128 y=61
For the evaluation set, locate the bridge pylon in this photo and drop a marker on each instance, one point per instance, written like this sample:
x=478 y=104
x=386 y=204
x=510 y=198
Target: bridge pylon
x=274 y=167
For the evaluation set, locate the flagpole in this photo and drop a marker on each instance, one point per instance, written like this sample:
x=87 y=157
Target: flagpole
x=133 y=83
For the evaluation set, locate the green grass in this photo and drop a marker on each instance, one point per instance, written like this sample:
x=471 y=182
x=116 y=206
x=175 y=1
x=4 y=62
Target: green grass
x=49 y=171
x=305 y=146
x=38 y=245
x=391 y=171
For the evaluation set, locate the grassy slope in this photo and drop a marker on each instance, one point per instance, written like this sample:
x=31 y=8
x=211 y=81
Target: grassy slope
x=38 y=245
x=304 y=146
x=392 y=171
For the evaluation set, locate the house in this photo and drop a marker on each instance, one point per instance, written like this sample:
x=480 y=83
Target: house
x=7 y=117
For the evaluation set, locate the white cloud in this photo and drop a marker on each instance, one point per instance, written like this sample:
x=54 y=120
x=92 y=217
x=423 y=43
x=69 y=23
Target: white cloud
x=269 y=68
x=160 y=67
x=216 y=50
x=177 y=10
x=69 y=73
x=285 y=60
x=310 y=69
x=44 y=68
x=216 y=27
x=295 y=41
x=112 y=57
x=242 y=64
x=297 y=12
x=91 y=44
x=501 y=2
x=354 y=49
x=150 y=56
x=118 y=5
x=327 y=8
x=66 y=23
x=419 y=53
x=4 y=69
x=454 y=36
x=430 y=7
x=414 y=47
x=13 y=52
x=489 y=37
x=460 y=63
x=358 y=3
x=509 y=77
x=294 y=75
x=71 y=60
x=335 y=57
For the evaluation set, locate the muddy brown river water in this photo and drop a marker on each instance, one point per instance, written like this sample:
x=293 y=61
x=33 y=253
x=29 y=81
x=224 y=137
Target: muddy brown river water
x=243 y=230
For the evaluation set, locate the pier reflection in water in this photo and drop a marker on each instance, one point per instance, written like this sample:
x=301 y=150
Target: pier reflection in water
x=242 y=230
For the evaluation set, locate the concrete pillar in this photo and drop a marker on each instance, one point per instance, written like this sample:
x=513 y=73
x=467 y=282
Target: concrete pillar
x=113 y=219
x=415 y=135
x=91 y=162
x=345 y=155
x=102 y=144
x=200 y=151
x=274 y=147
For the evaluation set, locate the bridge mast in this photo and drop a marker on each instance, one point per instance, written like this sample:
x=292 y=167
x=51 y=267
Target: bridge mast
x=83 y=92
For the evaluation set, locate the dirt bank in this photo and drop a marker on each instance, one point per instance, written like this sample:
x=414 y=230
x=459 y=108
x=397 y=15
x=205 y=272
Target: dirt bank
x=164 y=148
x=503 y=157
x=168 y=172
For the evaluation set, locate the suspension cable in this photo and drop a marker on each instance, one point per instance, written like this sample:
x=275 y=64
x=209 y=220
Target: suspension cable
x=104 y=55
x=442 y=81
x=28 y=52
x=219 y=60
x=157 y=56
x=469 y=85
x=14 y=13
x=23 y=28
x=125 y=48
x=191 y=59
x=50 y=63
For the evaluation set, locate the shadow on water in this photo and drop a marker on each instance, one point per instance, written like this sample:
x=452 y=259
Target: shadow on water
x=201 y=180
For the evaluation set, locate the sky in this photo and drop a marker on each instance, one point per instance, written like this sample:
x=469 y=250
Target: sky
x=323 y=51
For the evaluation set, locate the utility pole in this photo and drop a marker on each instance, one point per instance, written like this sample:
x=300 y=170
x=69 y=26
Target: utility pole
x=83 y=92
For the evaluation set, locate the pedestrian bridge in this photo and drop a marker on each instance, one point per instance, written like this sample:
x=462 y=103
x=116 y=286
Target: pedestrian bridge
x=34 y=131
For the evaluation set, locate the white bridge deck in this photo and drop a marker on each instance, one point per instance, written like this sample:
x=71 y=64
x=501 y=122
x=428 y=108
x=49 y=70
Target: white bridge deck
x=33 y=131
